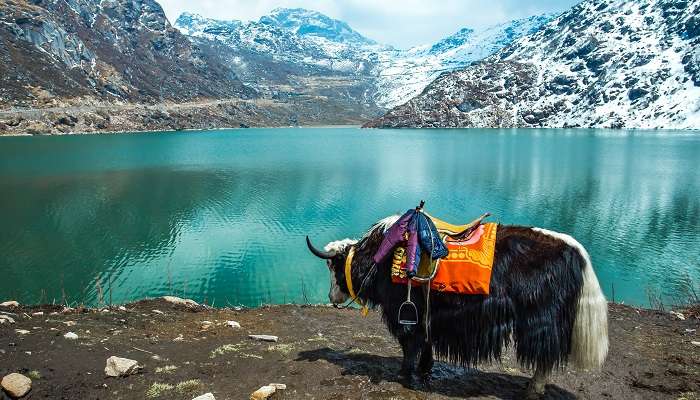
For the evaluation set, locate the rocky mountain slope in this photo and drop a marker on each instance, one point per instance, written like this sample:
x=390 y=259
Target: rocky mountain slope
x=604 y=63
x=294 y=43
x=294 y=53
x=52 y=51
x=403 y=75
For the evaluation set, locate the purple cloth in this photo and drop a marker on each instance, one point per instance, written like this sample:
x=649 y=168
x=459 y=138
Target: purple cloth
x=396 y=235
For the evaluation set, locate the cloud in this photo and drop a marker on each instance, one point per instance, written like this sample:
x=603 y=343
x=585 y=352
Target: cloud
x=402 y=23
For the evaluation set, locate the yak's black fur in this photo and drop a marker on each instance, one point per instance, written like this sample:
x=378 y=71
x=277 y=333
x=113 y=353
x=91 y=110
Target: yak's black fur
x=535 y=286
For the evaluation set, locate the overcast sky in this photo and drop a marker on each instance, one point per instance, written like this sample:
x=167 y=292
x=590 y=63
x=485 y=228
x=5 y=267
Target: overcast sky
x=401 y=23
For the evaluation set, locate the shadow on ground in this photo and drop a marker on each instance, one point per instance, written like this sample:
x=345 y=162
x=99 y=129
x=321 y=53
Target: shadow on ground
x=446 y=379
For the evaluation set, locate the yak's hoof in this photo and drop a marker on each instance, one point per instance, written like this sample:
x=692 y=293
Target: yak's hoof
x=406 y=378
x=534 y=392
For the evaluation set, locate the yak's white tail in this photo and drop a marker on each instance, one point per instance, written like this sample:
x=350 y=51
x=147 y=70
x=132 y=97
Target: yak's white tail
x=589 y=339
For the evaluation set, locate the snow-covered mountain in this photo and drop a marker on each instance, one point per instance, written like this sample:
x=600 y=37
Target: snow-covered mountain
x=294 y=35
x=604 y=63
x=317 y=45
x=404 y=74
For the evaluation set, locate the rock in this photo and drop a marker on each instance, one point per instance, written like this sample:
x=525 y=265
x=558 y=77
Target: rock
x=233 y=324
x=38 y=314
x=677 y=315
x=10 y=303
x=278 y=386
x=6 y=318
x=117 y=366
x=205 y=396
x=263 y=393
x=264 y=338
x=695 y=343
x=122 y=308
x=158 y=312
x=70 y=336
x=16 y=385
x=21 y=331
x=180 y=301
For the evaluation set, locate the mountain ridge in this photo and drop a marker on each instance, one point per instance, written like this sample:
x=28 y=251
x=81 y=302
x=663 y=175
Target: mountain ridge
x=395 y=75
x=602 y=64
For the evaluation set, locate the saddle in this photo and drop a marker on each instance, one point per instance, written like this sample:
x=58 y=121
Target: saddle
x=427 y=269
x=464 y=253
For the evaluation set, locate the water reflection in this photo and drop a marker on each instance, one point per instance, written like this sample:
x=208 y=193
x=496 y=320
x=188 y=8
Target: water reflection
x=222 y=215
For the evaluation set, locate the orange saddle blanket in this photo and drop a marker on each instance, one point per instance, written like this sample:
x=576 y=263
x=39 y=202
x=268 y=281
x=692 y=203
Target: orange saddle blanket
x=467 y=268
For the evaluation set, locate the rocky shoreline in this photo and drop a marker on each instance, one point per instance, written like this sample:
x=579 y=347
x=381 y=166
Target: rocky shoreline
x=205 y=114
x=178 y=349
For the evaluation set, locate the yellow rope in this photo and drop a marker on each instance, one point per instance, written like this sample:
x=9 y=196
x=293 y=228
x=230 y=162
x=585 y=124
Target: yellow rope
x=348 y=281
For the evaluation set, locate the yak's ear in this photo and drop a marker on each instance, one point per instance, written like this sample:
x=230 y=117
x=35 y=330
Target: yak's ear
x=326 y=255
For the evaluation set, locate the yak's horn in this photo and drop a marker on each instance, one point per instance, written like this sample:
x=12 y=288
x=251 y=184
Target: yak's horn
x=326 y=255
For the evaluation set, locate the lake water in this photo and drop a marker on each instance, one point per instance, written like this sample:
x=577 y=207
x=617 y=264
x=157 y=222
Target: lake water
x=221 y=215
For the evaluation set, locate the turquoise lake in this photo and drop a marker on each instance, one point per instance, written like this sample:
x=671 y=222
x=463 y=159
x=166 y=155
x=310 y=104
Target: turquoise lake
x=220 y=216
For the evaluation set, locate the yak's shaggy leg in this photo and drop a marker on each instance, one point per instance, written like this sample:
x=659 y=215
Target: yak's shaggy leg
x=425 y=361
x=410 y=351
x=535 y=389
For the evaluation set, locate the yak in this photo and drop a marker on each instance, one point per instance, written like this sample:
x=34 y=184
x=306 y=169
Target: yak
x=545 y=300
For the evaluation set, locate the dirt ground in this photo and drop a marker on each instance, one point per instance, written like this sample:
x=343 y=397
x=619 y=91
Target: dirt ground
x=322 y=353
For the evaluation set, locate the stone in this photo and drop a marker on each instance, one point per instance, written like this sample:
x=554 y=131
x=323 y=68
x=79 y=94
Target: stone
x=10 y=303
x=278 y=386
x=158 y=312
x=180 y=301
x=205 y=396
x=38 y=314
x=695 y=343
x=233 y=324
x=122 y=308
x=678 y=315
x=22 y=331
x=264 y=338
x=263 y=393
x=6 y=318
x=70 y=336
x=117 y=366
x=16 y=385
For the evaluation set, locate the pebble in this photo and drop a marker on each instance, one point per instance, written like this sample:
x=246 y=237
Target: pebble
x=264 y=338
x=158 y=312
x=71 y=336
x=205 y=396
x=6 y=318
x=179 y=338
x=695 y=343
x=10 y=303
x=678 y=315
x=233 y=324
x=180 y=301
x=117 y=366
x=16 y=385
x=263 y=393
x=38 y=314
x=278 y=386
x=122 y=308
x=21 y=331
x=69 y=323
